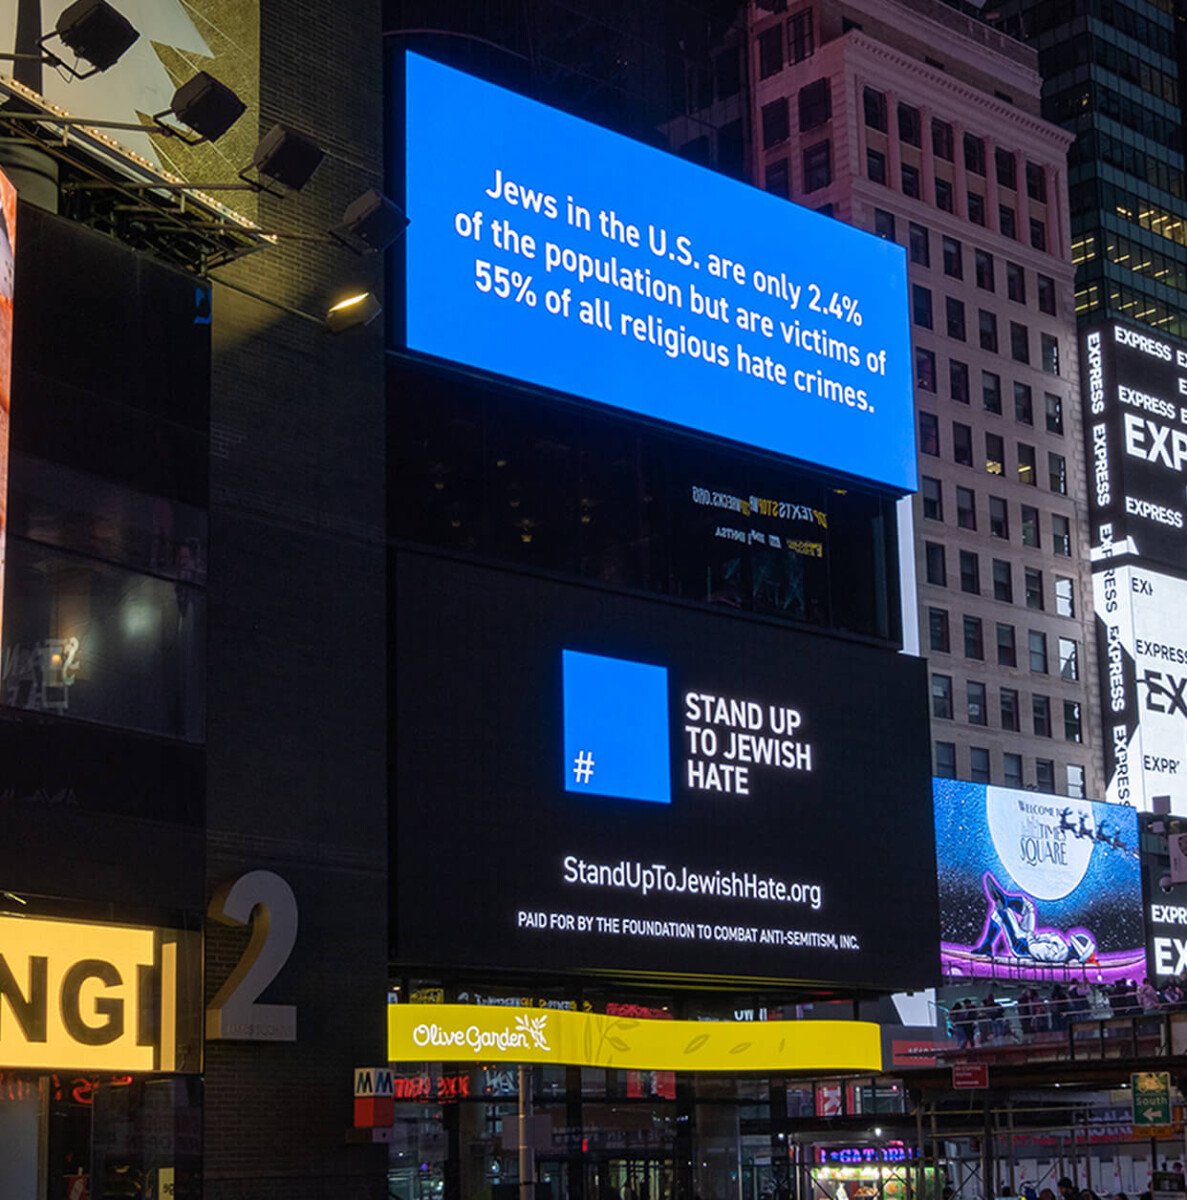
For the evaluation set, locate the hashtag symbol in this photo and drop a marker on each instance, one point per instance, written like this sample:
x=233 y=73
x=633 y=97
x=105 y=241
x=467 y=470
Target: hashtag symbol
x=583 y=766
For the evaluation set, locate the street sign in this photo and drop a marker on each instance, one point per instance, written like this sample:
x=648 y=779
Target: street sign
x=1151 y=1095
x=970 y=1075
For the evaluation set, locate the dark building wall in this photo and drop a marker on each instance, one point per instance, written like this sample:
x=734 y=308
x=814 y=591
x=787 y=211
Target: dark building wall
x=297 y=655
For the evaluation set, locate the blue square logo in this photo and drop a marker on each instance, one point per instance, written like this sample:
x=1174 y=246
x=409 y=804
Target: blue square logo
x=616 y=728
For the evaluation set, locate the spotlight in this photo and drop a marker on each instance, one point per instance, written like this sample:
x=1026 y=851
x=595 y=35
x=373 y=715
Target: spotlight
x=208 y=107
x=353 y=312
x=95 y=32
x=288 y=157
x=371 y=223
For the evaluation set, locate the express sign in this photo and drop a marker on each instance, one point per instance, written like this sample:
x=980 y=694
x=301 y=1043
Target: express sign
x=77 y=996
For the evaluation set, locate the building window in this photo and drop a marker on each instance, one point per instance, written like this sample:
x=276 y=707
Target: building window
x=974 y=154
x=946 y=760
x=929 y=434
x=937 y=571
x=816 y=105
x=977 y=208
x=1075 y=781
x=1044 y=775
x=937 y=628
x=919 y=244
x=1030 y=526
x=1040 y=709
x=966 y=511
x=728 y=68
x=1026 y=465
x=1038 y=233
x=976 y=703
x=1034 y=592
x=1015 y=283
x=1057 y=473
x=925 y=370
x=817 y=167
x=1050 y=348
x=1036 y=182
x=995 y=454
x=1054 y=406
x=974 y=641
x=991 y=392
x=979 y=764
x=958 y=381
x=770 y=52
x=941 y=697
x=1007 y=169
x=962 y=444
x=1069 y=659
x=884 y=224
x=999 y=518
x=921 y=305
x=1010 y=711
x=1065 y=597
x=953 y=258
x=1003 y=581
x=944 y=195
x=954 y=312
x=1023 y=404
x=778 y=181
x=876 y=166
x=970 y=573
x=933 y=499
x=1061 y=542
x=1007 y=652
x=1037 y=643
x=1012 y=770
x=1046 y=286
x=1007 y=221
x=910 y=128
x=1072 y=731
x=941 y=139
x=776 y=127
x=987 y=324
x=874 y=103
x=911 y=183
x=801 y=42
x=1019 y=342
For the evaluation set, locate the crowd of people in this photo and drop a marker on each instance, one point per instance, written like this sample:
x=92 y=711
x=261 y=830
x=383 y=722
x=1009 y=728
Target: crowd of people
x=1035 y=1013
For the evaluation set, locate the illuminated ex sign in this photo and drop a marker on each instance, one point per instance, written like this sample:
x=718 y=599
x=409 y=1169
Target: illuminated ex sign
x=88 y=997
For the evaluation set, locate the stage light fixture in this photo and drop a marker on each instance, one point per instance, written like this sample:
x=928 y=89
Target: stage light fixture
x=371 y=223
x=287 y=157
x=208 y=107
x=353 y=312
x=95 y=32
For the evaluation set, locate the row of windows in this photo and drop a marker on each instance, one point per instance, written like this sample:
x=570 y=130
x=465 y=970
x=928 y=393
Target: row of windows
x=774 y=51
x=926 y=380
x=816 y=163
x=1125 y=302
x=944 y=199
x=1011 y=770
x=936 y=573
x=940 y=641
x=1009 y=707
x=953 y=262
x=1092 y=96
x=931 y=492
x=1026 y=456
x=1091 y=195
x=1124 y=252
x=1083 y=49
x=955 y=325
x=910 y=131
x=1093 y=146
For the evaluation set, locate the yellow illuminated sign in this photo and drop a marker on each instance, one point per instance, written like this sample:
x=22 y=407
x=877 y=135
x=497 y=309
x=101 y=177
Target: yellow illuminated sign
x=468 y=1033
x=81 y=996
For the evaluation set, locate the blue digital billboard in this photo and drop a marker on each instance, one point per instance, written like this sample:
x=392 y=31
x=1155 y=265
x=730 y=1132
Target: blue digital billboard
x=546 y=249
x=1035 y=886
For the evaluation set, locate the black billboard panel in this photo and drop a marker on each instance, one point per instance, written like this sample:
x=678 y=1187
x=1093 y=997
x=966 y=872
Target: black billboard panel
x=586 y=780
x=1135 y=421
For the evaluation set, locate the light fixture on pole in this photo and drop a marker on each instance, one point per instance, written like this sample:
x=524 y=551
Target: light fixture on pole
x=206 y=106
x=371 y=223
x=95 y=32
x=286 y=157
x=353 y=313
